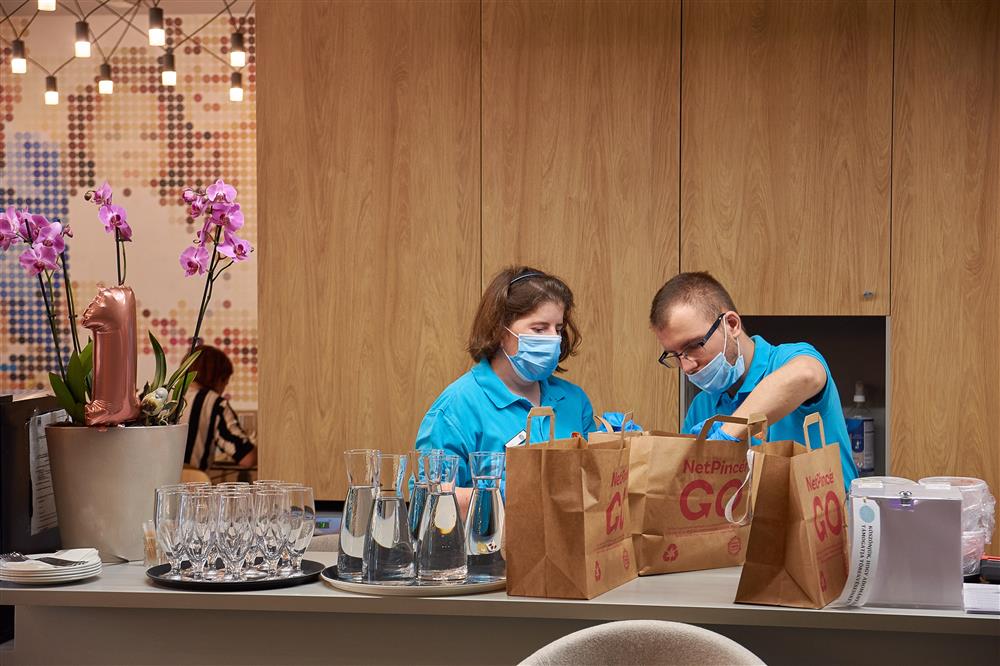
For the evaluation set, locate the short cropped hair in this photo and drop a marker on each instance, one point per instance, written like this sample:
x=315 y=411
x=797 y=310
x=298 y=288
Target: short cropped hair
x=699 y=289
x=514 y=292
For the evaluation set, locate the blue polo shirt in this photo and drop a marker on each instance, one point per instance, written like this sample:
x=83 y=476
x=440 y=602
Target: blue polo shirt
x=766 y=359
x=477 y=412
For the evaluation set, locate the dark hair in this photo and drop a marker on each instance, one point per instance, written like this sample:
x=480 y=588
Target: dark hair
x=514 y=292
x=213 y=367
x=698 y=289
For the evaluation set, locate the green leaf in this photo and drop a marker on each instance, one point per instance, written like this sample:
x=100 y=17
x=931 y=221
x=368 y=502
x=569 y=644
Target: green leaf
x=185 y=364
x=65 y=398
x=161 y=362
x=87 y=357
x=76 y=379
x=178 y=396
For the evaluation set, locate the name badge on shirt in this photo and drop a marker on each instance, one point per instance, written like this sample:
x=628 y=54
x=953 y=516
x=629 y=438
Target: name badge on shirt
x=517 y=440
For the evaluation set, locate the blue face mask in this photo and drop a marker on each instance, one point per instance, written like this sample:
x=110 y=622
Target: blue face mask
x=719 y=374
x=537 y=356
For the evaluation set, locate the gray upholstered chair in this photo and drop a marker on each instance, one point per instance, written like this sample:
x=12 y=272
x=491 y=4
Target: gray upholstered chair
x=646 y=642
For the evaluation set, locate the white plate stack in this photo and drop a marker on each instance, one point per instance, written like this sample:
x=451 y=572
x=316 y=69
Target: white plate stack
x=34 y=572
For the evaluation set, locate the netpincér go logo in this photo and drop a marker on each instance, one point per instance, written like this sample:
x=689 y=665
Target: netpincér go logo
x=670 y=554
x=700 y=489
x=829 y=508
x=613 y=516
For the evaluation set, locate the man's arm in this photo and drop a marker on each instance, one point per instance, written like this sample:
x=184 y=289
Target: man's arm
x=781 y=392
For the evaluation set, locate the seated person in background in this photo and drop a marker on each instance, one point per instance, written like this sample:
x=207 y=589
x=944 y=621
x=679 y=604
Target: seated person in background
x=701 y=332
x=214 y=431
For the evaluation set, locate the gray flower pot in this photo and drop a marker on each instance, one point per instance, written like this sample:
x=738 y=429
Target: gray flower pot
x=104 y=481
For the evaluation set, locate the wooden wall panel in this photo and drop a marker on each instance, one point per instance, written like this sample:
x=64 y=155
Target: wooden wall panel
x=785 y=135
x=580 y=150
x=946 y=242
x=368 y=135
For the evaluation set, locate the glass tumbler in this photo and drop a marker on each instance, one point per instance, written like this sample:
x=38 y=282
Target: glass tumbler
x=388 y=552
x=302 y=513
x=167 y=519
x=273 y=525
x=198 y=515
x=484 y=526
x=360 y=465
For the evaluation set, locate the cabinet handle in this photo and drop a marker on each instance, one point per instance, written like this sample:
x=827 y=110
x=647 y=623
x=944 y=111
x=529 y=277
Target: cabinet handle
x=868 y=295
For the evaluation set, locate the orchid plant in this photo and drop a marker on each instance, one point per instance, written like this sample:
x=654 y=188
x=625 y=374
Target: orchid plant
x=215 y=249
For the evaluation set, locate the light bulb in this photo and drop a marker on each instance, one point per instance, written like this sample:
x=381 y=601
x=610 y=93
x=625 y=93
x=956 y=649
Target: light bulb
x=82 y=40
x=105 y=85
x=51 y=91
x=18 y=60
x=157 y=35
x=237 y=53
x=46 y=5
x=235 y=87
x=168 y=75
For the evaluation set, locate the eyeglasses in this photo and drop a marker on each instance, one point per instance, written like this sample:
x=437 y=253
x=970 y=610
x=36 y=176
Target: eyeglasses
x=673 y=359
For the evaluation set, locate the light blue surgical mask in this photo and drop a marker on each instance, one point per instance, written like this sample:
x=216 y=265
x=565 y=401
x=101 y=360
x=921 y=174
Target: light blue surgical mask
x=719 y=374
x=537 y=356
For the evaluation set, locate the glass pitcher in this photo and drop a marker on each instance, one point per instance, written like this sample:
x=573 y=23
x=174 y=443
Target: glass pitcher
x=419 y=492
x=362 y=481
x=484 y=527
x=441 y=555
x=388 y=553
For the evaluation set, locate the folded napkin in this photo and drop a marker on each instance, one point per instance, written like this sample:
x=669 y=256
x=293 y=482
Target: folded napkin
x=88 y=555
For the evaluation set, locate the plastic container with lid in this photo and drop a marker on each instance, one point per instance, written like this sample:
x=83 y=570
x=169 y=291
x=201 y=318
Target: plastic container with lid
x=978 y=516
x=876 y=482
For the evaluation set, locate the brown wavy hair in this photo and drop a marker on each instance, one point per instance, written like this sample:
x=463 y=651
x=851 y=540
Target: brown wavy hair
x=213 y=367
x=514 y=292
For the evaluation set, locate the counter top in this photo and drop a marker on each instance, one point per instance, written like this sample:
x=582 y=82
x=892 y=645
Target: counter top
x=700 y=597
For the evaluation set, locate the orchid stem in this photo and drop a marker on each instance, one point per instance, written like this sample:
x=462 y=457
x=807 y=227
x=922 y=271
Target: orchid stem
x=52 y=325
x=70 y=305
x=118 y=258
x=206 y=295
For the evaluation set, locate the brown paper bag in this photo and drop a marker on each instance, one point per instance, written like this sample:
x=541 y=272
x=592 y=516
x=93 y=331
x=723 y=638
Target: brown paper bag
x=679 y=488
x=795 y=556
x=567 y=516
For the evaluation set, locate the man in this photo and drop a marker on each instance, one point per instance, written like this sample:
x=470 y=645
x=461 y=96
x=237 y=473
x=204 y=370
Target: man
x=696 y=322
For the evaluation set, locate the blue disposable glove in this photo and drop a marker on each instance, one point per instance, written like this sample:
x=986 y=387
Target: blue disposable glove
x=715 y=433
x=615 y=419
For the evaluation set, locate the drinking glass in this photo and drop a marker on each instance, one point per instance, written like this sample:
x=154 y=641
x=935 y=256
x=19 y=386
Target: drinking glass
x=198 y=528
x=272 y=525
x=360 y=465
x=169 y=536
x=302 y=521
x=388 y=551
x=484 y=526
x=235 y=532
x=441 y=555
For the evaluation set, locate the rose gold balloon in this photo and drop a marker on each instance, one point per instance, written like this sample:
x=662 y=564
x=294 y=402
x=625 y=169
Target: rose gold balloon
x=111 y=316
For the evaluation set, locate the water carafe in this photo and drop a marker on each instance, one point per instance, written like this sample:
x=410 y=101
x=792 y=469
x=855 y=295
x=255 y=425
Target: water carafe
x=361 y=480
x=441 y=551
x=388 y=557
x=484 y=527
x=419 y=492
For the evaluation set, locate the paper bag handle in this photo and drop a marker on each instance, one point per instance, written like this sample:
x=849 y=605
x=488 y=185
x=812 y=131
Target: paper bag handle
x=540 y=411
x=813 y=419
x=600 y=420
x=755 y=423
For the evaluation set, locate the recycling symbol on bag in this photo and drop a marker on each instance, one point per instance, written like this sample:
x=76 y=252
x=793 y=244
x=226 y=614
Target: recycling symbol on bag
x=597 y=571
x=625 y=559
x=822 y=580
x=670 y=554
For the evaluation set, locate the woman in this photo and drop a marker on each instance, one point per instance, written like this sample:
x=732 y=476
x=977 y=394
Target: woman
x=523 y=330
x=214 y=431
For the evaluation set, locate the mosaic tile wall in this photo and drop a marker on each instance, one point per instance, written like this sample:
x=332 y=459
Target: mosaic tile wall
x=149 y=142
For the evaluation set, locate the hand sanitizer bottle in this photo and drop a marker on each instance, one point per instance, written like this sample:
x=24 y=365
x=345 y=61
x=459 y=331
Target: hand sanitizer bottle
x=861 y=428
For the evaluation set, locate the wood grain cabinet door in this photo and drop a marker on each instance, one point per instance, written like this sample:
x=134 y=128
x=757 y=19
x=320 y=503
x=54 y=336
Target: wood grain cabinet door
x=785 y=145
x=580 y=175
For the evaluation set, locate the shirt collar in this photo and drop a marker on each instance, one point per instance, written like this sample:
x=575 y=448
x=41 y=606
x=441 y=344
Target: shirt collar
x=761 y=359
x=501 y=396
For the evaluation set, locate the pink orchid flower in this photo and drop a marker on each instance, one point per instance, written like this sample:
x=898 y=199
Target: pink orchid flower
x=235 y=248
x=194 y=260
x=198 y=205
x=189 y=195
x=8 y=228
x=228 y=216
x=38 y=258
x=51 y=235
x=221 y=192
x=102 y=195
x=114 y=217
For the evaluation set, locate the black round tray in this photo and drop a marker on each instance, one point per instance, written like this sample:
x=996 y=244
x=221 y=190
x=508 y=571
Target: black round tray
x=310 y=572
